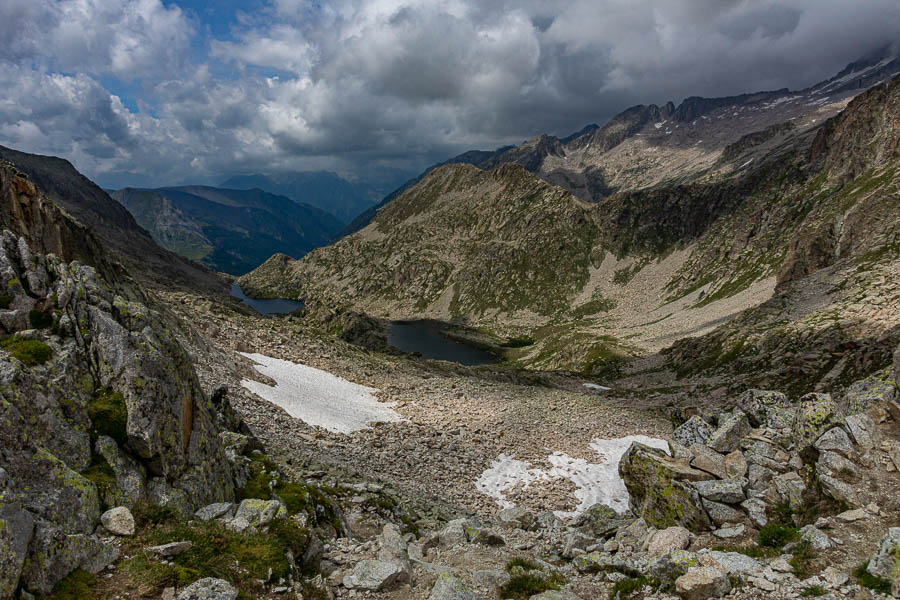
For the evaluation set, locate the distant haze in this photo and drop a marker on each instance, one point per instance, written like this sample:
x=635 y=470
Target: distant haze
x=142 y=93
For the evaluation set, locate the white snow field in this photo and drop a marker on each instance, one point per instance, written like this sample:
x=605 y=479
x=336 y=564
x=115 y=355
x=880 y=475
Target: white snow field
x=317 y=397
x=596 y=483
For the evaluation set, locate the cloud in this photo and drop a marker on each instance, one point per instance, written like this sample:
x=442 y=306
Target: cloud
x=141 y=91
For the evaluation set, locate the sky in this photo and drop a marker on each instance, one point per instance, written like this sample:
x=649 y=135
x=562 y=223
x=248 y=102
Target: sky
x=152 y=93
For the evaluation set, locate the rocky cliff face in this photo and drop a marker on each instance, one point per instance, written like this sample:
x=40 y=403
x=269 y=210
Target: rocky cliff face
x=99 y=406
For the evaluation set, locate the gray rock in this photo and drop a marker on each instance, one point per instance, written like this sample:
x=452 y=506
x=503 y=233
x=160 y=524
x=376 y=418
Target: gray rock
x=668 y=539
x=839 y=490
x=131 y=478
x=790 y=487
x=555 y=595
x=516 y=517
x=669 y=567
x=53 y=554
x=576 y=543
x=259 y=513
x=693 y=431
x=817 y=414
x=118 y=521
x=374 y=575
x=860 y=396
x=209 y=588
x=448 y=587
x=727 y=436
x=16 y=530
x=700 y=583
x=766 y=409
x=835 y=440
x=722 y=513
x=488 y=578
x=454 y=533
x=733 y=563
x=395 y=549
x=548 y=520
x=756 y=510
x=729 y=531
x=171 y=549
x=214 y=511
x=598 y=521
x=863 y=430
x=832 y=463
x=816 y=537
x=728 y=491
x=885 y=563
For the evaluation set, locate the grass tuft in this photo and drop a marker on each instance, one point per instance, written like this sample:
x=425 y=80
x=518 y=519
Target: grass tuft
x=109 y=415
x=28 y=352
x=867 y=580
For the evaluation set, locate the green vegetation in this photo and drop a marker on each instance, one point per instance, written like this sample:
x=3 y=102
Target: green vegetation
x=867 y=580
x=521 y=563
x=813 y=591
x=28 y=352
x=775 y=535
x=804 y=554
x=39 y=319
x=625 y=587
x=530 y=583
x=593 y=307
x=241 y=559
x=101 y=475
x=109 y=415
x=5 y=301
x=77 y=585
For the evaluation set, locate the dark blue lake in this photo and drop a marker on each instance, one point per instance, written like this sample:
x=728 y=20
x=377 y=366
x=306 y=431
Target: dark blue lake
x=425 y=338
x=266 y=306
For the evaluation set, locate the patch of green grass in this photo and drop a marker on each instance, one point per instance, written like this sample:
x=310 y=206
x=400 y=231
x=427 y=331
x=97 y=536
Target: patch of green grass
x=101 y=475
x=813 y=591
x=776 y=535
x=528 y=584
x=39 y=319
x=593 y=307
x=521 y=563
x=625 y=587
x=77 y=585
x=804 y=554
x=109 y=415
x=517 y=343
x=28 y=352
x=241 y=559
x=867 y=580
x=146 y=514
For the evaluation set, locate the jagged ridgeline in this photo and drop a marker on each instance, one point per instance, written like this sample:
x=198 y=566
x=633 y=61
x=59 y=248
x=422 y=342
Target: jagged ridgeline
x=100 y=408
x=812 y=207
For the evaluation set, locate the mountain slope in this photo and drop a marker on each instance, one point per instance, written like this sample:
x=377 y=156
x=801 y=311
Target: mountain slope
x=94 y=208
x=324 y=190
x=507 y=251
x=228 y=230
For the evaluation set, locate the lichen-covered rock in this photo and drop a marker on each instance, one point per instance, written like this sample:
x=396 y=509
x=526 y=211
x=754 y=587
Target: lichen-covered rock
x=885 y=563
x=728 y=491
x=817 y=538
x=816 y=414
x=131 y=477
x=516 y=517
x=657 y=492
x=448 y=587
x=766 y=408
x=728 y=434
x=693 y=431
x=672 y=565
x=374 y=575
x=215 y=511
x=597 y=520
x=16 y=530
x=209 y=588
x=700 y=583
x=860 y=396
x=790 y=487
x=259 y=513
x=756 y=510
x=832 y=463
x=53 y=554
x=733 y=563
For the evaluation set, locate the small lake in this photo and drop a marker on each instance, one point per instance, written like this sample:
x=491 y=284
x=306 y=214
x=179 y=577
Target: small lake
x=425 y=338
x=266 y=306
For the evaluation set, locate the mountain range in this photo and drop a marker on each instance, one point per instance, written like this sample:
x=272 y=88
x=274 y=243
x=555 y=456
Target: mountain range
x=228 y=230
x=663 y=224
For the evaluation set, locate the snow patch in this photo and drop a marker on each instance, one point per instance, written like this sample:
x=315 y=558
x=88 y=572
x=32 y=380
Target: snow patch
x=594 y=386
x=595 y=482
x=317 y=397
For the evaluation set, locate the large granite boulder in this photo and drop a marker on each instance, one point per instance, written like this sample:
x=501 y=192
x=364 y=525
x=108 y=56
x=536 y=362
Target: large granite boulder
x=816 y=414
x=659 y=490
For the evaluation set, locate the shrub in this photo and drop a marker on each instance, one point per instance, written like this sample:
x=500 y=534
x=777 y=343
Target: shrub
x=529 y=584
x=813 y=591
x=40 y=319
x=28 y=352
x=775 y=535
x=867 y=580
x=109 y=415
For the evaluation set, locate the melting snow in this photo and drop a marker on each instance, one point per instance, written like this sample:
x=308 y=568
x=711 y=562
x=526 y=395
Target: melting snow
x=594 y=386
x=317 y=397
x=595 y=482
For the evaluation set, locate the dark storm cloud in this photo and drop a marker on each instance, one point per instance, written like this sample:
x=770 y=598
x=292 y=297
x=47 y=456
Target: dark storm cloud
x=362 y=85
